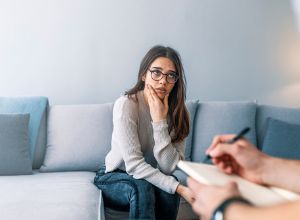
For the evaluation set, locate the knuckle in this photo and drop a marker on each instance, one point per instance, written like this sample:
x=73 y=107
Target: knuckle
x=236 y=148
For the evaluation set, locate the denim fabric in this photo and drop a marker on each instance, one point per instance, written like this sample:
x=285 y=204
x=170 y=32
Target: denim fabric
x=142 y=199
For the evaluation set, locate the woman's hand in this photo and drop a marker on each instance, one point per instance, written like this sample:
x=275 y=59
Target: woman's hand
x=158 y=108
x=185 y=193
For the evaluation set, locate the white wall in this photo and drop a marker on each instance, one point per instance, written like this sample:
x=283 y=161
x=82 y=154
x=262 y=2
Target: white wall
x=88 y=51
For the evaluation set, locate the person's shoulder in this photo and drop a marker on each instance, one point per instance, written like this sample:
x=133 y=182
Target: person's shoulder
x=126 y=102
x=126 y=106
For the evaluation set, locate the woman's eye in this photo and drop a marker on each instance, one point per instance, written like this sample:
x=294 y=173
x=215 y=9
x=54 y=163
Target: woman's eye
x=157 y=72
x=172 y=75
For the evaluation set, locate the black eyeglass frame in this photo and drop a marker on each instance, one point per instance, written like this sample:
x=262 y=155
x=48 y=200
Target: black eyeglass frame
x=162 y=75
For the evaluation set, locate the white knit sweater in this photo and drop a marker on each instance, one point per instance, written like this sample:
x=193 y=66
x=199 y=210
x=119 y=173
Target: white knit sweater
x=141 y=147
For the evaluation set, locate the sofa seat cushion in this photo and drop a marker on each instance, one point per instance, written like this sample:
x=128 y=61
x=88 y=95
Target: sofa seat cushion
x=59 y=196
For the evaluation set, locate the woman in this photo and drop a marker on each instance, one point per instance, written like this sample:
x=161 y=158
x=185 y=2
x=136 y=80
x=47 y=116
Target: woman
x=150 y=124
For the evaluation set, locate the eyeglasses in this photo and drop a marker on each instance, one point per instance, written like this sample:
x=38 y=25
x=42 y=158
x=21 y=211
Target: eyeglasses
x=158 y=75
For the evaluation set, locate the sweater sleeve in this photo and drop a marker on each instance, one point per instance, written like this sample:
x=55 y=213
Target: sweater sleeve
x=166 y=153
x=126 y=134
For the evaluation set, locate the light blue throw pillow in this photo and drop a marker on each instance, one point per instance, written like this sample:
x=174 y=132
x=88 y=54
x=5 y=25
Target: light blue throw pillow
x=282 y=139
x=14 y=145
x=37 y=108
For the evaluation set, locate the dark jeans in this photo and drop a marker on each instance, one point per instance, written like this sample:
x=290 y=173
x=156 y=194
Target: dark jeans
x=142 y=199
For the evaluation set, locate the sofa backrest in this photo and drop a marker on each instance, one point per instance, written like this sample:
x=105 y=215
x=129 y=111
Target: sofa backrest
x=213 y=118
x=78 y=137
x=208 y=120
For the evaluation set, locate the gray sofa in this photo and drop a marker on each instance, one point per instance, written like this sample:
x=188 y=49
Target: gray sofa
x=66 y=144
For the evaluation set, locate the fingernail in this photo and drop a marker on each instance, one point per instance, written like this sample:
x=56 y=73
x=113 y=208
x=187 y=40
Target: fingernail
x=212 y=153
x=207 y=151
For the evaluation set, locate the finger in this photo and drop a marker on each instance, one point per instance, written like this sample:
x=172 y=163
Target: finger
x=146 y=90
x=216 y=140
x=224 y=167
x=228 y=169
x=150 y=93
x=153 y=93
x=166 y=101
x=219 y=139
x=235 y=167
x=222 y=149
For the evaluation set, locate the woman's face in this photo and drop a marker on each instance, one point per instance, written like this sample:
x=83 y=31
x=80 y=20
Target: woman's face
x=163 y=72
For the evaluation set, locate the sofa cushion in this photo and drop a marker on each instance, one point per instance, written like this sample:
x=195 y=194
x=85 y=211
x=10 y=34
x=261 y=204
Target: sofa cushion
x=192 y=108
x=291 y=115
x=36 y=107
x=48 y=196
x=214 y=118
x=79 y=137
x=282 y=139
x=14 y=145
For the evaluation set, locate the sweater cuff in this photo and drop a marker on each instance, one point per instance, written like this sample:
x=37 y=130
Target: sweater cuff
x=174 y=186
x=160 y=124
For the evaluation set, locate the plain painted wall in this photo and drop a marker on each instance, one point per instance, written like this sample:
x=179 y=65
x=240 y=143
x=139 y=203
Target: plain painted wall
x=88 y=51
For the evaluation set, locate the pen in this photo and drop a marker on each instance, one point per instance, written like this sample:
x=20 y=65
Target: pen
x=231 y=141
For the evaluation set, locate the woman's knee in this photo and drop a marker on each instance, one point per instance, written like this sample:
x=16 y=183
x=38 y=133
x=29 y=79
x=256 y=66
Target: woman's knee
x=142 y=189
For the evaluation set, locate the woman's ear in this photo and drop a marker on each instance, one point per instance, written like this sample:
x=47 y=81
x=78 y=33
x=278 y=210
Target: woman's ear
x=144 y=77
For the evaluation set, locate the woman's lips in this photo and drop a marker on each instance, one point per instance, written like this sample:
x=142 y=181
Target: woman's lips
x=160 y=90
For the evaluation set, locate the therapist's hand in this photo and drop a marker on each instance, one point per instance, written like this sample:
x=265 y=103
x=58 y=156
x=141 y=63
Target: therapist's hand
x=208 y=197
x=241 y=158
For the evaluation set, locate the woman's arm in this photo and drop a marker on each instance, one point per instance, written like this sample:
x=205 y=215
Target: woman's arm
x=125 y=136
x=166 y=153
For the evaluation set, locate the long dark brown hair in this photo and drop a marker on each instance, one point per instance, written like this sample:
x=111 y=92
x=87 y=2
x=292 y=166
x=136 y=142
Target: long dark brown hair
x=178 y=114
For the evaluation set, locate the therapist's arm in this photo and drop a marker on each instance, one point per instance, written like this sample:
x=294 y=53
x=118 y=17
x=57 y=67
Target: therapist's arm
x=289 y=210
x=208 y=197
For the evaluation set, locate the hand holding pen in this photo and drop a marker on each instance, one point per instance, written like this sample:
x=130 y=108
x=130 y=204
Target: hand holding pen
x=239 y=156
x=230 y=141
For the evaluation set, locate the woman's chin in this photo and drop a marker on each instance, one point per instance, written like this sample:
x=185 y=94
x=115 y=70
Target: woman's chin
x=161 y=96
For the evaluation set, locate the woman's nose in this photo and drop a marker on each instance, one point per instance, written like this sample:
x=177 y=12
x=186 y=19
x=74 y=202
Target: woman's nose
x=163 y=80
